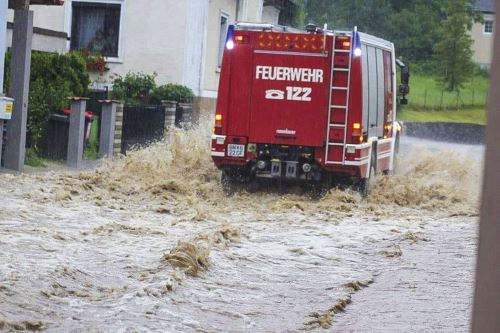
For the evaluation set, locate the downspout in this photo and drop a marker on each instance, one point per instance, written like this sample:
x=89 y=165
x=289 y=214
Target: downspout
x=238 y=6
x=3 y=39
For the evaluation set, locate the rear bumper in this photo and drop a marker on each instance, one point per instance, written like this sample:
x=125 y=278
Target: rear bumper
x=287 y=162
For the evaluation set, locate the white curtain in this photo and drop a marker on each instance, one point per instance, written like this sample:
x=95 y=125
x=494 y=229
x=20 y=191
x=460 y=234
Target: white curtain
x=88 y=21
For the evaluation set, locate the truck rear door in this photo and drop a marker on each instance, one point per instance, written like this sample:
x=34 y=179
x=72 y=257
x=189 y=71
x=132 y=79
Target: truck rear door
x=289 y=99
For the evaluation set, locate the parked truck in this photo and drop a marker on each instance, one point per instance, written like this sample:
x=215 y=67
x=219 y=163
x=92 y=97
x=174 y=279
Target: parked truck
x=312 y=106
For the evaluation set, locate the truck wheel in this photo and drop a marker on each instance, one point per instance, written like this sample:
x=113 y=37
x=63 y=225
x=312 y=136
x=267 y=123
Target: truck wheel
x=252 y=186
x=318 y=189
x=366 y=184
x=229 y=183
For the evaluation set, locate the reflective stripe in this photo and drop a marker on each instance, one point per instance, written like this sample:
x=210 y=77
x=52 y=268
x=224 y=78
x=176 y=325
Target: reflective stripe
x=304 y=54
x=379 y=157
x=215 y=137
x=361 y=146
x=388 y=140
x=357 y=163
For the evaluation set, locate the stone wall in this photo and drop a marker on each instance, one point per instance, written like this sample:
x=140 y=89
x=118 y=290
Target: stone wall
x=118 y=130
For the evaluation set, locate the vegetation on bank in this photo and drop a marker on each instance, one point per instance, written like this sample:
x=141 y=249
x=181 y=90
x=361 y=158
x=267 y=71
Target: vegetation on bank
x=465 y=116
x=432 y=33
x=432 y=37
x=429 y=102
x=426 y=93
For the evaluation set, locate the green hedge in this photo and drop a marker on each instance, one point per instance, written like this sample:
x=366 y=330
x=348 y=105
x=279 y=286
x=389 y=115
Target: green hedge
x=140 y=88
x=54 y=78
x=134 y=88
x=172 y=92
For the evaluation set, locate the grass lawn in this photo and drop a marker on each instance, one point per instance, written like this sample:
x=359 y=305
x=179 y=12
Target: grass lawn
x=467 y=116
x=426 y=93
x=33 y=160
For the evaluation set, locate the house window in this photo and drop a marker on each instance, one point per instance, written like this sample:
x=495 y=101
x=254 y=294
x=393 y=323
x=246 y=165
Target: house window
x=488 y=27
x=222 y=37
x=96 y=27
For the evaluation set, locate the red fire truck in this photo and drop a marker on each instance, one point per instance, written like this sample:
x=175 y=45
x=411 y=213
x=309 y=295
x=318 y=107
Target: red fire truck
x=312 y=106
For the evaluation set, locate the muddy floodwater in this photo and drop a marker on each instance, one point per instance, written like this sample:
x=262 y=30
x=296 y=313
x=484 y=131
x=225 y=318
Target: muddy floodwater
x=149 y=242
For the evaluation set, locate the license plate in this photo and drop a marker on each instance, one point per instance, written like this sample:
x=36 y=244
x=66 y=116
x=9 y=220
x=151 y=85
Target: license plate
x=235 y=150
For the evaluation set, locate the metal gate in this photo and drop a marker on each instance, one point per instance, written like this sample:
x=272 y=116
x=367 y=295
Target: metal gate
x=142 y=125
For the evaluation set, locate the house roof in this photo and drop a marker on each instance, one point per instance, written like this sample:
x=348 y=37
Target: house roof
x=486 y=6
x=280 y=3
x=13 y=4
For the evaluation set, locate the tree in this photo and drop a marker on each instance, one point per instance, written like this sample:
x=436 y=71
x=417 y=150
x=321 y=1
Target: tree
x=369 y=16
x=293 y=14
x=452 y=52
x=414 y=29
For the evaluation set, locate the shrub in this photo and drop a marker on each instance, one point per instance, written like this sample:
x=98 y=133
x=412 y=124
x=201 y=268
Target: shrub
x=6 y=74
x=134 y=88
x=481 y=71
x=172 y=92
x=54 y=77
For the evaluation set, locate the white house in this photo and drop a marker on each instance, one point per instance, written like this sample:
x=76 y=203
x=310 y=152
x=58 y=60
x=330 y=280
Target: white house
x=482 y=33
x=179 y=40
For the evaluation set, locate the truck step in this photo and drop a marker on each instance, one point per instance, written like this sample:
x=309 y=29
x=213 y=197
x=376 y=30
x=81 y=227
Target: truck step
x=334 y=162
x=338 y=69
x=342 y=51
x=338 y=125
x=336 y=144
x=338 y=106
x=340 y=88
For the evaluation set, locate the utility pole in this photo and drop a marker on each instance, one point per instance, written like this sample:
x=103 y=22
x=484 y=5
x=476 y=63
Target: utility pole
x=22 y=35
x=3 y=39
x=3 y=47
x=486 y=314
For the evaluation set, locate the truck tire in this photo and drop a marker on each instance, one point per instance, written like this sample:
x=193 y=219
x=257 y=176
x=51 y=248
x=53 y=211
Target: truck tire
x=229 y=183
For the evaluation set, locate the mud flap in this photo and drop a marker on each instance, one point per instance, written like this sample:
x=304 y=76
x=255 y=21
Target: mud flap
x=291 y=169
x=276 y=169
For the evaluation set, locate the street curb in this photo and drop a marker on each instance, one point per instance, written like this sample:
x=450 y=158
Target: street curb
x=448 y=132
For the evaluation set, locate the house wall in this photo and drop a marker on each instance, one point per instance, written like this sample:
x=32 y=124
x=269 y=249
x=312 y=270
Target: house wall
x=148 y=44
x=483 y=43
x=242 y=10
x=270 y=14
x=177 y=40
x=49 y=18
x=195 y=44
x=250 y=10
x=211 y=66
x=42 y=42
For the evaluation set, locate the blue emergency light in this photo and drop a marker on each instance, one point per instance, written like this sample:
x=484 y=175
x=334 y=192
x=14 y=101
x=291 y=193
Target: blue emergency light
x=356 y=47
x=230 y=38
